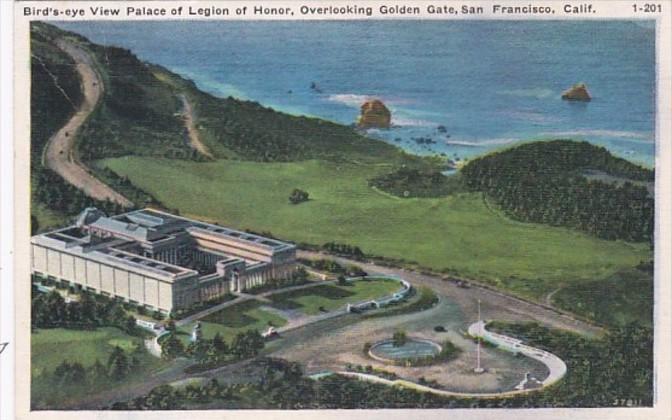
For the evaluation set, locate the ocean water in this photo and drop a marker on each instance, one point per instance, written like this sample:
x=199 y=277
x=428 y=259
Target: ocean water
x=490 y=84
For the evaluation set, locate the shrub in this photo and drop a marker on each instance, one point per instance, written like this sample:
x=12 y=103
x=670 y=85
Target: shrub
x=298 y=196
x=399 y=338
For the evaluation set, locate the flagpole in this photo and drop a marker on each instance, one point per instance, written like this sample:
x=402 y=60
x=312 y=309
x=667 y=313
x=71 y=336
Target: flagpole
x=479 y=369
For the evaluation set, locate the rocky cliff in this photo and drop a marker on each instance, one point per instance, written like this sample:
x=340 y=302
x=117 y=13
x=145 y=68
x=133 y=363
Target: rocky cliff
x=374 y=114
x=578 y=92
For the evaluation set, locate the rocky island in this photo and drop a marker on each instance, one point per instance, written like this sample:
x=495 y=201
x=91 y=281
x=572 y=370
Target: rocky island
x=578 y=92
x=374 y=114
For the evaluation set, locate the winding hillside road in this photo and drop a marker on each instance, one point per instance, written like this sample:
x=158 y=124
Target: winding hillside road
x=194 y=139
x=60 y=154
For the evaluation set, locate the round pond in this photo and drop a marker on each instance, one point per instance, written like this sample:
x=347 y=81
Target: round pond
x=411 y=349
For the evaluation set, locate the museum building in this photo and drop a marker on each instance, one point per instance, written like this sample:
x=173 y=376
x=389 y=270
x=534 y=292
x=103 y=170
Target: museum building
x=159 y=260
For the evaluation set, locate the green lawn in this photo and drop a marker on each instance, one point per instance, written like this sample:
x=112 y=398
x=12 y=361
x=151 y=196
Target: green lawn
x=234 y=319
x=47 y=219
x=50 y=347
x=457 y=233
x=332 y=297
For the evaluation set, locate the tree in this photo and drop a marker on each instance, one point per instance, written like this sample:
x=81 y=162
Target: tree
x=301 y=275
x=98 y=370
x=399 y=338
x=130 y=324
x=161 y=398
x=199 y=351
x=69 y=373
x=172 y=347
x=219 y=344
x=118 y=365
x=298 y=196
x=170 y=325
x=34 y=225
x=88 y=307
x=247 y=344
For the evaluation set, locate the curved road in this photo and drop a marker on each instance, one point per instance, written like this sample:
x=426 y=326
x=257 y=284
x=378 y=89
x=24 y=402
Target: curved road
x=59 y=154
x=496 y=304
x=555 y=365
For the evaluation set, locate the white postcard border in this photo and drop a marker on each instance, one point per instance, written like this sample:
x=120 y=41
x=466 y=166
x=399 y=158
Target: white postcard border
x=21 y=210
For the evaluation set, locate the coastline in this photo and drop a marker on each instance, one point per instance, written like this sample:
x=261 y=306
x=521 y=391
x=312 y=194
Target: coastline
x=528 y=107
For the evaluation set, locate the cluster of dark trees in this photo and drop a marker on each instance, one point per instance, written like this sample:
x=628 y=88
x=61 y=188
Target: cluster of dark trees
x=49 y=310
x=646 y=266
x=138 y=114
x=119 y=365
x=324 y=264
x=382 y=373
x=344 y=250
x=55 y=91
x=298 y=196
x=331 y=266
x=258 y=133
x=412 y=182
x=213 y=352
x=545 y=182
x=616 y=370
x=199 y=306
x=55 y=95
x=50 y=189
x=129 y=190
x=166 y=397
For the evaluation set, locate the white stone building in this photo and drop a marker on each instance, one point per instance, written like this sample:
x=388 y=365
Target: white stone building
x=159 y=260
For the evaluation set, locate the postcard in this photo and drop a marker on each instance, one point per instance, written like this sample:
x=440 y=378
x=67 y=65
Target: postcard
x=333 y=209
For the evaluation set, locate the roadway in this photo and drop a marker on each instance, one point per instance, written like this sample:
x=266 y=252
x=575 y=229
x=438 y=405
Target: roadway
x=60 y=154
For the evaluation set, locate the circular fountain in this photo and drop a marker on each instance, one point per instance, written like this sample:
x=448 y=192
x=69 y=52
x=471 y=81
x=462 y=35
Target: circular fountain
x=412 y=349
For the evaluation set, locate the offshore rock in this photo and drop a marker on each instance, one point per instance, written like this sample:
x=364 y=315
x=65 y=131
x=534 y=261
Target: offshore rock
x=374 y=114
x=578 y=92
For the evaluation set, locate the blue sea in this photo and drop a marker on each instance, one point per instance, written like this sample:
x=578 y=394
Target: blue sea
x=490 y=84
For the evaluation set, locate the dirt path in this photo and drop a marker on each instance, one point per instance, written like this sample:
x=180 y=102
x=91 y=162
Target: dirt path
x=60 y=154
x=213 y=309
x=194 y=139
x=549 y=297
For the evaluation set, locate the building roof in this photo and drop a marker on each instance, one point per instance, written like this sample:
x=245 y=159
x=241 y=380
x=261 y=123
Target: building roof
x=99 y=237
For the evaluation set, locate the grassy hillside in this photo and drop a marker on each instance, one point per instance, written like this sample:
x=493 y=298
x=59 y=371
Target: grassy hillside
x=458 y=232
x=136 y=142
x=247 y=130
x=51 y=347
x=140 y=115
